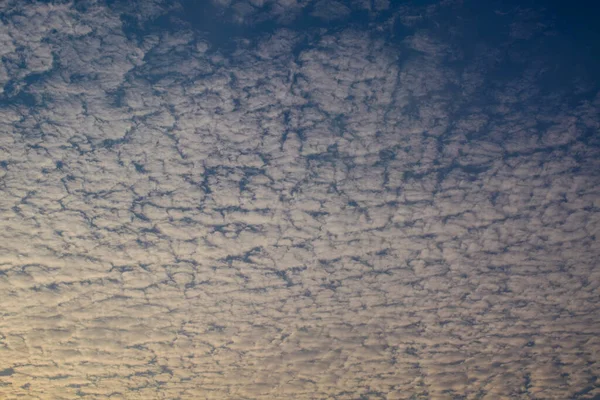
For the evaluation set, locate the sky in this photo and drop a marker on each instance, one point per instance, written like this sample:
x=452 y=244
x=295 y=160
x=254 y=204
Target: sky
x=299 y=199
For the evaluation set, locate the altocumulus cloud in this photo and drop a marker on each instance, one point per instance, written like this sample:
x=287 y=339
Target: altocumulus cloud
x=399 y=207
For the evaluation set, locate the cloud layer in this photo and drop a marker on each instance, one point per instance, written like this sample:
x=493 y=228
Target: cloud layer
x=397 y=211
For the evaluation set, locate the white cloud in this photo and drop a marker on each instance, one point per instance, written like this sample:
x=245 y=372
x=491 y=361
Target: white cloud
x=329 y=216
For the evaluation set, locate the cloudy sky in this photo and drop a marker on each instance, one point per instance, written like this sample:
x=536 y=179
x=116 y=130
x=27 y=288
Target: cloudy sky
x=299 y=199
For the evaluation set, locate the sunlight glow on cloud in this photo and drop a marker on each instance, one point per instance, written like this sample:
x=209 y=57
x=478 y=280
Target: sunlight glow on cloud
x=313 y=214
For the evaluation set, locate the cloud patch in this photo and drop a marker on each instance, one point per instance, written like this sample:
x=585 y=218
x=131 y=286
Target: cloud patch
x=313 y=214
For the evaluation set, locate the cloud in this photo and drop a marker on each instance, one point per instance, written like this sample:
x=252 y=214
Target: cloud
x=288 y=12
x=315 y=214
x=329 y=10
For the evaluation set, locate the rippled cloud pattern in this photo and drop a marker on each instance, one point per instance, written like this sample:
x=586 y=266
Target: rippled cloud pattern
x=297 y=199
